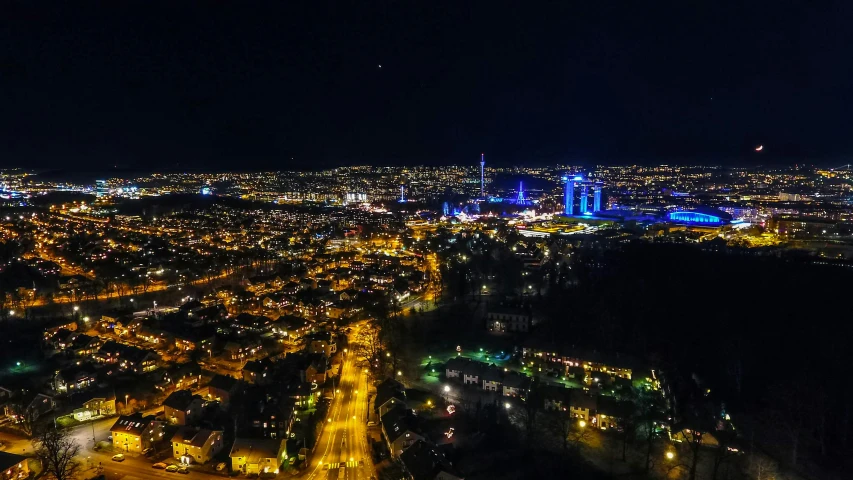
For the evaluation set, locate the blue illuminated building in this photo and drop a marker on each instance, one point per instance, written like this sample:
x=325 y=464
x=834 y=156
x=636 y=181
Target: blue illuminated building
x=710 y=217
x=569 y=182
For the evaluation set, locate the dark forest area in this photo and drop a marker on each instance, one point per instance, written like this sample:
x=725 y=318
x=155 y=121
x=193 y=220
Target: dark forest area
x=769 y=336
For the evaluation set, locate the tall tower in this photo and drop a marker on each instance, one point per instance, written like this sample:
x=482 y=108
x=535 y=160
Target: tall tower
x=584 y=197
x=402 y=194
x=482 y=175
x=569 y=195
x=596 y=197
x=520 y=200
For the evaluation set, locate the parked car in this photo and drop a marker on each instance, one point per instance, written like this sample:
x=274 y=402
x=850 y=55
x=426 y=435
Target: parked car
x=148 y=451
x=183 y=469
x=221 y=466
x=118 y=457
x=159 y=466
x=172 y=468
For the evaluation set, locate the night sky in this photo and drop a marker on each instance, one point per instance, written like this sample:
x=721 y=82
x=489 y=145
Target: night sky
x=254 y=85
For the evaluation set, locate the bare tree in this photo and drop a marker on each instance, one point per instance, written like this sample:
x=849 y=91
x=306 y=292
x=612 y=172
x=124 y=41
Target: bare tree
x=368 y=342
x=56 y=450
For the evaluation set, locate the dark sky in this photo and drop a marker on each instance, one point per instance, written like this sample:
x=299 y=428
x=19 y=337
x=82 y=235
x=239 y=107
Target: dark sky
x=247 y=84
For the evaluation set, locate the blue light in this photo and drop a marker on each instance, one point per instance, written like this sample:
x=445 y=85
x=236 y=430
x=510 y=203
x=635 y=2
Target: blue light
x=695 y=218
x=578 y=178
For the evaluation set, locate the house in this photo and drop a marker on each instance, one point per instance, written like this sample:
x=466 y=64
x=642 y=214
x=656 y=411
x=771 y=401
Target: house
x=258 y=372
x=189 y=339
x=85 y=345
x=60 y=324
x=515 y=385
x=268 y=413
x=399 y=429
x=311 y=368
x=581 y=405
x=491 y=379
x=389 y=394
x=424 y=461
x=74 y=378
x=556 y=397
x=182 y=407
x=190 y=445
x=243 y=349
x=246 y=322
x=501 y=318
x=335 y=311
x=454 y=367
x=471 y=373
x=292 y=326
x=135 y=433
x=180 y=377
x=254 y=456
x=611 y=413
x=62 y=339
x=312 y=308
x=28 y=405
x=322 y=342
x=13 y=466
x=222 y=389
x=94 y=405
x=128 y=358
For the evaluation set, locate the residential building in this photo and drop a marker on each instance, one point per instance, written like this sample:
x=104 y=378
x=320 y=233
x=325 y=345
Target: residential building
x=581 y=405
x=182 y=407
x=471 y=373
x=222 y=389
x=94 y=405
x=128 y=358
x=190 y=445
x=242 y=350
x=322 y=342
x=389 y=394
x=255 y=456
x=500 y=318
x=28 y=405
x=515 y=385
x=258 y=372
x=399 y=429
x=492 y=379
x=135 y=433
x=424 y=461
x=74 y=378
x=454 y=367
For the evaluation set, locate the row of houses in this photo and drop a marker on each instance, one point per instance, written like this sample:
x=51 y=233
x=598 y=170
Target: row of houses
x=572 y=360
x=488 y=377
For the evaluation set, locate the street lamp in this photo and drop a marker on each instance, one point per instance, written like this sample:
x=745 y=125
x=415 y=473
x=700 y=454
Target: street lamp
x=447 y=389
x=670 y=455
x=126 y=406
x=582 y=423
x=76 y=308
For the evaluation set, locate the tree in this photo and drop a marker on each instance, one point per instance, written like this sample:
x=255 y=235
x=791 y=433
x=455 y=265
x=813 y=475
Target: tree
x=56 y=450
x=368 y=343
x=647 y=415
x=726 y=442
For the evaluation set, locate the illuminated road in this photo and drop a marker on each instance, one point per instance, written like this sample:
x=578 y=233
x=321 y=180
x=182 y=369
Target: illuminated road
x=342 y=450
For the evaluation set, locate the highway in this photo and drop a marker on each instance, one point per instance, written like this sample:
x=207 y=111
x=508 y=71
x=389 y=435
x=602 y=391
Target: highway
x=342 y=451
